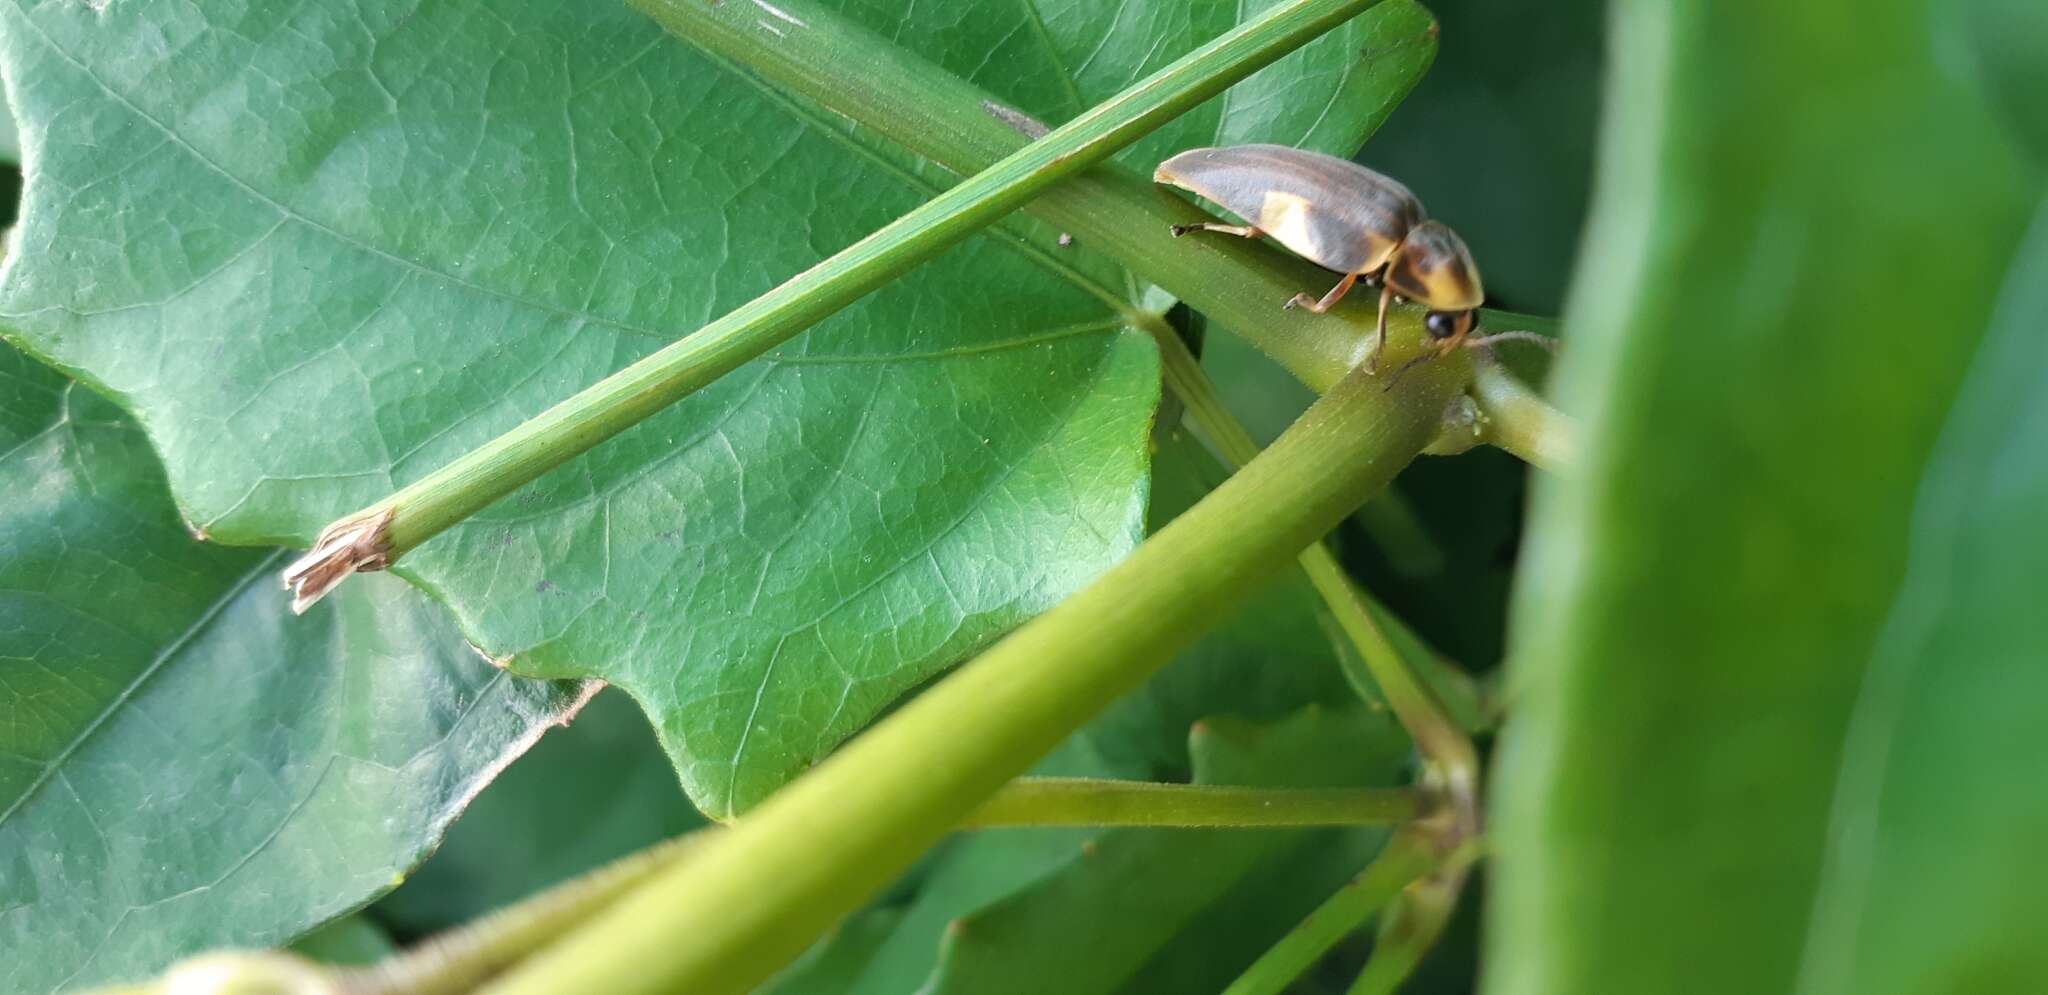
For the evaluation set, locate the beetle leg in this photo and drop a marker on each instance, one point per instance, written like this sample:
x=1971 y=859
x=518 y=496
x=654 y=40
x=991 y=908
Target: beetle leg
x=1241 y=231
x=1379 y=335
x=1329 y=300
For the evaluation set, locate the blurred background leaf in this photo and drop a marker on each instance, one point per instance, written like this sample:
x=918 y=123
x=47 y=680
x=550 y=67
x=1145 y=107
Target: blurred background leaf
x=1939 y=808
x=1699 y=612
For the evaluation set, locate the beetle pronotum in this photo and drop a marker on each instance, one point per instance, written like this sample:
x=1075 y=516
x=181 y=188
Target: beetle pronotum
x=1344 y=217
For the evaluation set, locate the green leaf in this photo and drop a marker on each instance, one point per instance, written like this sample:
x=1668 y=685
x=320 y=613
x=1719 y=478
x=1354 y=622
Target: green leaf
x=320 y=249
x=2006 y=39
x=10 y=139
x=1743 y=621
x=1939 y=809
x=585 y=796
x=183 y=765
x=1056 y=58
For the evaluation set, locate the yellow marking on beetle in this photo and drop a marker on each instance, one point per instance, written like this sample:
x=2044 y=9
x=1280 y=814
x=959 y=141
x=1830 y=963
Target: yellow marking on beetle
x=1284 y=216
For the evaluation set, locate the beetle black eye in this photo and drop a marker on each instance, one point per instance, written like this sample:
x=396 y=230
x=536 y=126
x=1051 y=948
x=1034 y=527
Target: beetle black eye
x=1441 y=324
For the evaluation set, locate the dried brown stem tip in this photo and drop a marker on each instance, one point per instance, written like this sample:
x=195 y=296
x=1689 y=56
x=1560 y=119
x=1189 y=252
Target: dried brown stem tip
x=347 y=546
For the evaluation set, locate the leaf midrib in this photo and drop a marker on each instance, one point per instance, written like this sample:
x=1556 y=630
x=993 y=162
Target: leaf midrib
x=261 y=570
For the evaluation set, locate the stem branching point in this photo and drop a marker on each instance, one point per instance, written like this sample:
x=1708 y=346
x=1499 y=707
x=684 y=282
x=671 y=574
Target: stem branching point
x=1517 y=419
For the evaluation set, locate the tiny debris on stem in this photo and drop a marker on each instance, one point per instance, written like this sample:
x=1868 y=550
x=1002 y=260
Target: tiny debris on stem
x=1019 y=122
x=346 y=547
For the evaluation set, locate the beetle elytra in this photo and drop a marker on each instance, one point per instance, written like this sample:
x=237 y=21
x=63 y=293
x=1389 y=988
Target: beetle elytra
x=1342 y=217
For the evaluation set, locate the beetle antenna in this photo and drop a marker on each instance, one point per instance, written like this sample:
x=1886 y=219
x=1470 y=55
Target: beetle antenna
x=1533 y=338
x=1405 y=367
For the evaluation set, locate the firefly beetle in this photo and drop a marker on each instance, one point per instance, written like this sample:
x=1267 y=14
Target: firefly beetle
x=1343 y=217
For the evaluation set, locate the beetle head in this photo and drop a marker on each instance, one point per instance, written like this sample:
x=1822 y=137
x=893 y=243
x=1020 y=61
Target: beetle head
x=1432 y=266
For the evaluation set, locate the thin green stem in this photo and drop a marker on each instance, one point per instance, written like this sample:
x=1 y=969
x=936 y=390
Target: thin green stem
x=1453 y=762
x=1517 y=419
x=1081 y=801
x=373 y=537
x=758 y=894
x=1408 y=929
x=1394 y=527
x=1410 y=854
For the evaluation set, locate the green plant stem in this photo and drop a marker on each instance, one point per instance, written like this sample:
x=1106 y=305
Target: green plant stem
x=1410 y=854
x=1408 y=929
x=1238 y=283
x=758 y=894
x=1396 y=669
x=1517 y=419
x=1394 y=527
x=460 y=959
x=1081 y=801
x=452 y=493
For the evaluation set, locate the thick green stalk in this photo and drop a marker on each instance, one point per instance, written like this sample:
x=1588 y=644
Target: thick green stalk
x=1387 y=518
x=758 y=894
x=919 y=106
x=1084 y=801
x=371 y=538
x=1396 y=673
x=460 y=959
x=1409 y=855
